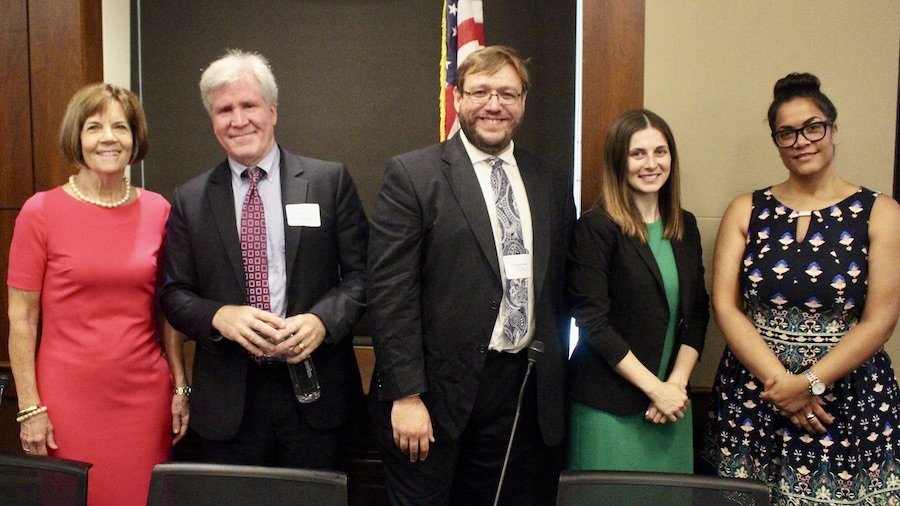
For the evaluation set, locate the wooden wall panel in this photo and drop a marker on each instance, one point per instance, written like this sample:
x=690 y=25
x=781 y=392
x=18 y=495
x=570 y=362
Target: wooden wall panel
x=16 y=176
x=612 y=79
x=7 y=220
x=65 y=40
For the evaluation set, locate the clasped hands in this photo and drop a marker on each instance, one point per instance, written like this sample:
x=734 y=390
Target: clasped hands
x=262 y=333
x=668 y=403
x=789 y=393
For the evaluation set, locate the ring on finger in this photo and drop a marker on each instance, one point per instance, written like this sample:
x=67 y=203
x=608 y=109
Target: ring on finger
x=810 y=416
x=26 y=450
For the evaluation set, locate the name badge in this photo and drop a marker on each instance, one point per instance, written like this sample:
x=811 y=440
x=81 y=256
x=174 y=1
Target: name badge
x=517 y=266
x=303 y=215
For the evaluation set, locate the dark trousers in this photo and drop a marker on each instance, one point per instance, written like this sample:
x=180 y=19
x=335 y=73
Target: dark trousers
x=466 y=470
x=273 y=431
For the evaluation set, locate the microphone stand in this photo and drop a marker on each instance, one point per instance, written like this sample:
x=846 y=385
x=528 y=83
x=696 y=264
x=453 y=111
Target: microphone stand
x=534 y=353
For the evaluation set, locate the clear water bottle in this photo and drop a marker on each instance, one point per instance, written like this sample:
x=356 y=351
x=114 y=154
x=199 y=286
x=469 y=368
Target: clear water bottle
x=305 y=381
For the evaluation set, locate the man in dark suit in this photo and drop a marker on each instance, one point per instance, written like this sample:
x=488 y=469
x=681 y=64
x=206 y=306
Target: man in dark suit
x=466 y=271
x=312 y=254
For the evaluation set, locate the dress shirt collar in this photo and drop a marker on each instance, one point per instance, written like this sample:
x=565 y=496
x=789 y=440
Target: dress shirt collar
x=476 y=155
x=268 y=163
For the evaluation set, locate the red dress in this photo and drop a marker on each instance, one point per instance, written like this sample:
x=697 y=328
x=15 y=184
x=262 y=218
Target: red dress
x=100 y=366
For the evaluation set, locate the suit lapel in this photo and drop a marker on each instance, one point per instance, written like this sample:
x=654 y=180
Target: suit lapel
x=294 y=189
x=461 y=175
x=221 y=202
x=537 y=190
x=682 y=256
x=646 y=256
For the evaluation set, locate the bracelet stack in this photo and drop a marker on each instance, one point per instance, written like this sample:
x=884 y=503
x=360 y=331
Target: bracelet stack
x=29 y=412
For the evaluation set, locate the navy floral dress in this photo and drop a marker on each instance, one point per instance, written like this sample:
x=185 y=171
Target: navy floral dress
x=803 y=296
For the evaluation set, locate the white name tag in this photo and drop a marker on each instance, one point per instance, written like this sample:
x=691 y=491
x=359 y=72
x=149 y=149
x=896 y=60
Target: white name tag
x=303 y=215
x=517 y=266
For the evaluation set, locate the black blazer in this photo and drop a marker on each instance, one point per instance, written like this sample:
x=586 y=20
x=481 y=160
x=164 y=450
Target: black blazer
x=619 y=304
x=326 y=276
x=435 y=287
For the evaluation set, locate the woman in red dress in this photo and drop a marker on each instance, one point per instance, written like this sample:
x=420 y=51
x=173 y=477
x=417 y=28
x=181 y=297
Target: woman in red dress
x=84 y=264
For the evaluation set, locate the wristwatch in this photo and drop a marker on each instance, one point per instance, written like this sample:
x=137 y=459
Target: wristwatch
x=182 y=391
x=816 y=387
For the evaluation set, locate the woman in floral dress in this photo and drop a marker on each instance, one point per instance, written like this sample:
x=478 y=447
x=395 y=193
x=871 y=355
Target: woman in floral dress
x=805 y=285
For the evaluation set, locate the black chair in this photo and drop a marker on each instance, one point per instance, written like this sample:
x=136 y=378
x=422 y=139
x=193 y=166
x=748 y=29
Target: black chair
x=184 y=483
x=42 y=481
x=639 y=488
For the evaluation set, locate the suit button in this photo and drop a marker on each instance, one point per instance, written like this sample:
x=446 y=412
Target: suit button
x=495 y=305
x=482 y=348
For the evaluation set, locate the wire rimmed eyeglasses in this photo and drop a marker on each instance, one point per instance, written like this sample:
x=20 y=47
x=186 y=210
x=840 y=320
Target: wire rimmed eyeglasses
x=483 y=96
x=787 y=138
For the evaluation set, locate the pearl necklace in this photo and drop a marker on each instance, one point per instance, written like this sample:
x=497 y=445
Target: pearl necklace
x=84 y=198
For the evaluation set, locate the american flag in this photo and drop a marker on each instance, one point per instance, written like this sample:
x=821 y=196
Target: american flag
x=463 y=32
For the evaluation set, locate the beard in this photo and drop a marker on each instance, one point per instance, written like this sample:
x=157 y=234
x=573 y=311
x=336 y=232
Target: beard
x=488 y=146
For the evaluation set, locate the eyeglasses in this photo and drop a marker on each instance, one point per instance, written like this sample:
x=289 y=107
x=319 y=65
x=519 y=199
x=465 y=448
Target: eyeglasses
x=480 y=97
x=813 y=132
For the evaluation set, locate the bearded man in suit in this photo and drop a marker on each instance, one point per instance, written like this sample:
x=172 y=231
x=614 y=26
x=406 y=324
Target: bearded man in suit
x=466 y=270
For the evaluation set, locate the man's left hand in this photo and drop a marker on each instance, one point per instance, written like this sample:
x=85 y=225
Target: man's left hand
x=300 y=337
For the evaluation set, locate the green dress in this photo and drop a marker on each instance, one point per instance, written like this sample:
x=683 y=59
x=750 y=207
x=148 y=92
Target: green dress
x=599 y=440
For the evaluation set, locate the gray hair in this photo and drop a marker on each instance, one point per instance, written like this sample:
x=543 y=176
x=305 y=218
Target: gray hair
x=234 y=66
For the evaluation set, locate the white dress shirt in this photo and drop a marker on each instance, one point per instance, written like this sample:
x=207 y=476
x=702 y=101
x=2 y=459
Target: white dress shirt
x=480 y=161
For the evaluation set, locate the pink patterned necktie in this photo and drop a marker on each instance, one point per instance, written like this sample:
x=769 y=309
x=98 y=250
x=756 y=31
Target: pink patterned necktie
x=253 y=243
x=516 y=323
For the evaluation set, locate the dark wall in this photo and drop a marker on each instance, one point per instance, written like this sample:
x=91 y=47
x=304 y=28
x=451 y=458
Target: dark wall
x=358 y=79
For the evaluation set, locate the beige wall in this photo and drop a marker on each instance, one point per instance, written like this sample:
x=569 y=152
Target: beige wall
x=117 y=45
x=117 y=42
x=709 y=70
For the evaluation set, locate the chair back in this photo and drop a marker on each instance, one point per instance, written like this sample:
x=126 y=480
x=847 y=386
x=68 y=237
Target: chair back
x=194 y=484
x=42 y=481
x=597 y=488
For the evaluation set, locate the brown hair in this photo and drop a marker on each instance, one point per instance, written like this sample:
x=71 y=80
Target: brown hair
x=491 y=59
x=93 y=99
x=615 y=196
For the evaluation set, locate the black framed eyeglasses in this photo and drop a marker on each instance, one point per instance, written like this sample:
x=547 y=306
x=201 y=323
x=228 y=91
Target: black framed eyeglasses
x=480 y=97
x=813 y=132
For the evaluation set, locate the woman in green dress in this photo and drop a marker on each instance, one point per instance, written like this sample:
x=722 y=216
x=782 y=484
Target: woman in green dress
x=635 y=276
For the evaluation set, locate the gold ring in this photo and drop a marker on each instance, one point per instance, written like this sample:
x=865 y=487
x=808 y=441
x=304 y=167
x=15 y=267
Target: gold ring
x=300 y=346
x=810 y=416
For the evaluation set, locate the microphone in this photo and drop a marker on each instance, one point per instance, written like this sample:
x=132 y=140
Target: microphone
x=4 y=383
x=534 y=354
